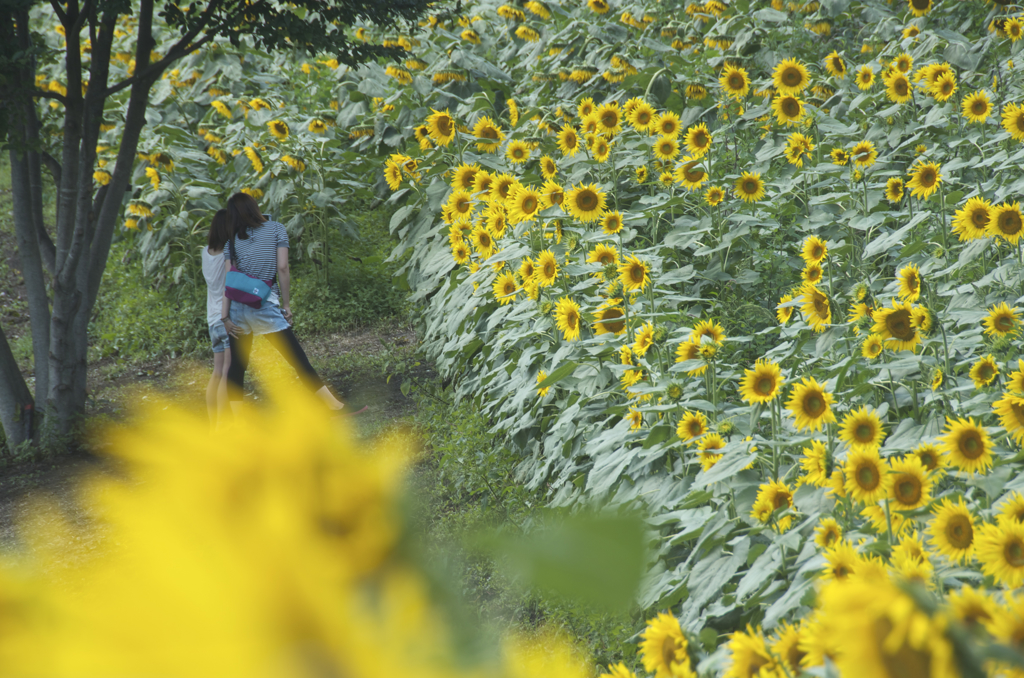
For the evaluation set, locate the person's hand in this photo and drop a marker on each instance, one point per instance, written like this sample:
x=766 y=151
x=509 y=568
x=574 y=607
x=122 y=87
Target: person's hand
x=287 y=312
x=231 y=328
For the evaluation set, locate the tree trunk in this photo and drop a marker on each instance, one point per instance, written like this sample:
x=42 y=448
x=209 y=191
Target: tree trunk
x=16 y=406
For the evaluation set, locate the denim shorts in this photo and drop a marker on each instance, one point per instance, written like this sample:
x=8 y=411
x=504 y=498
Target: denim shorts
x=218 y=337
x=264 y=320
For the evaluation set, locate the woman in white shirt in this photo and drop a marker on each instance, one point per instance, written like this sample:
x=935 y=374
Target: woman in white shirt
x=214 y=272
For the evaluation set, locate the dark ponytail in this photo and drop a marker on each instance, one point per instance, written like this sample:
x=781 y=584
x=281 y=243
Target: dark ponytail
x=219 y=232
x=243 y=213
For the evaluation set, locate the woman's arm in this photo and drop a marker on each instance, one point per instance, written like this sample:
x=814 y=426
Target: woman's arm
x=284 y=279
x=225 y=308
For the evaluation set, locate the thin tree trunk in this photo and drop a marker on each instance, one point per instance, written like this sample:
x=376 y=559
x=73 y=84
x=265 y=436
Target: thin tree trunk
x=16 y=405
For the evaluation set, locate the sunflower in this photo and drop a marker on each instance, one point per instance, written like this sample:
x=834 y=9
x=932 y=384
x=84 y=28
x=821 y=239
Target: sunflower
x=1013 y=121
x=610 y=318
x=909 y=279
x=814 y=463
x=666 y=148
x=1010 y=409
x=827 y=533
x=1015 y=382
x=567 y=318
x=984 y=371
x=790 y=77
x=603 y=255
x=952 y=530
x=441 y=127
x=812 y=274
x=393 y=175
x=497 y=221
x=611 y=222
x=714 y=195
x=586 y=202
x=814 y=250
x=967 y=446
x=944 y=87
x=771 y=497
x=871 y=348
x=1001 y=320
x=609 y=118
x=971 y=607
x=585 y=107
x=644 y=339
x=525 y=201
x=911 y=484
x=601 y=149
x=930 y=456
x=502 y=187
x=864 y=154
x=789 y=110
x=865 y=77
x=841 y=561
x=761 y=384
x=464 y=178
x=839 y=156
x=642 y=117
x=1000 y=550
x=664 y=648
x=492 y=136
x=711 y=442
x=835 y=65
x=545 y=269
x=897 y=87
x=749 y=187
x=518 y=151
x=698 y=140
x=460 y=252
x=735 y=81
x=690 y=175
x=816 y=308
x=1012 y=509
x=862 y=430
x=461 y=204
x=924 y=180
x=894 y=190
x=971 y=221
x=976 y=107
x=1006 y=222
x=690 y=350
x=867 y=478
x=667 y=124
x=1014 y=29
x=809 y=405
x=640 y=174
x=919 y=7
x=692 y=425
x=709 y=329
x=634 y=274
x=505 y=288
x=568 y=141
x=896 y=327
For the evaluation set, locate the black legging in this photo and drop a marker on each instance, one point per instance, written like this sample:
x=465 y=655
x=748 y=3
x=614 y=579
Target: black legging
x=286 y=344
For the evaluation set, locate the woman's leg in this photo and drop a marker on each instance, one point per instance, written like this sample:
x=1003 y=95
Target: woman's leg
x=222 y=390
x=240 y=348
x=288 y=346
x=213 y=387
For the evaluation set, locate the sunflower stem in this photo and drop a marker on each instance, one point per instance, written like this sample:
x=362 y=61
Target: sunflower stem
x=942 y=207
x=888 y=521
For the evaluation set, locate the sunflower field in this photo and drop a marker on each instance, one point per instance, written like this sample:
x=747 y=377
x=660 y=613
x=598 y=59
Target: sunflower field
x=750 y=266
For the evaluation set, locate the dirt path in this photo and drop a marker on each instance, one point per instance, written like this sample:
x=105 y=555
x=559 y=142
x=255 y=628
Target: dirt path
x=364 y=367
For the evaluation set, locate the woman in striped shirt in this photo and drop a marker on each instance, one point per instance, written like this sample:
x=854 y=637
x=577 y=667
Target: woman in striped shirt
x=259 y=249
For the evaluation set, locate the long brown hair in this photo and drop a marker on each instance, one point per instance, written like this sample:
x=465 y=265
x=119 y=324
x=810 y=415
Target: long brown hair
x=243 y=213
x=219 y=232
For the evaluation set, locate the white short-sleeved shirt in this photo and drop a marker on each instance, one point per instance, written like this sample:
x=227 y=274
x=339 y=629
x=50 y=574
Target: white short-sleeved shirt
x=213 y=271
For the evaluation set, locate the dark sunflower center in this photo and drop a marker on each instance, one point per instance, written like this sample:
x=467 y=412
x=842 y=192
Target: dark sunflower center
x=692 y=174
x=509 y=287
x=444 y=126
x=643 y=117
x=1018 y=413
x=898 y=324
x=462 y=206
x=1014 y=553
x=736 y=82
x=695 y=429
x=814 y=405
x=979 y=107
x=549 y=269
x=840 y=571
x=929 y=460
x=971 y=445
x=570 y=140
x=556 y=197
x=587 y=201
x=1009 y=223
x=610 y=120
x=750 y=186
x=928 y=177
x=868 y=478
x=611 y=324
x=485 y=240
x=908 y=490
x=1019 y=122
x=947 y=87
x=781 y=500
x=979 y=218
x=900 y=87
x=864 y=433
x=830 y=537
x=986 y=373
x=489 y=133
x=959 y=532
x=790 y=107
x=817 y=252
x=636 y=274
x=791 y=76
x=1004 y=323
x=666 y=148
x=765 y=385
x=668 y=128
x=571 y=318
x=503 y=189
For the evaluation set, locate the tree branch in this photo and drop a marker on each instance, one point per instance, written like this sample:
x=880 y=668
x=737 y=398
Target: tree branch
x=47 y=94
x=61 y=14
x=52 y=165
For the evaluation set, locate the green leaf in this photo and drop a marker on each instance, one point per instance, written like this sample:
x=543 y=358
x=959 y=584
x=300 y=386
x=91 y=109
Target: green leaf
x=559 y=374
